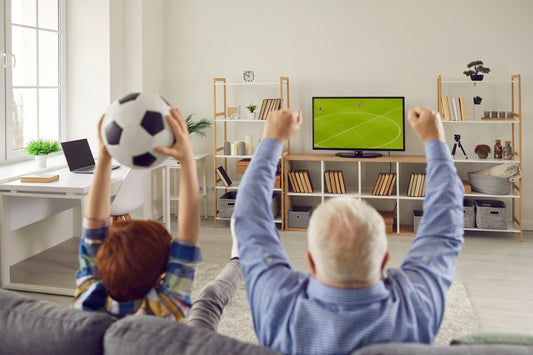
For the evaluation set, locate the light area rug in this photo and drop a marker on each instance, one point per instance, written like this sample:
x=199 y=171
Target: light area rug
x=236 y=321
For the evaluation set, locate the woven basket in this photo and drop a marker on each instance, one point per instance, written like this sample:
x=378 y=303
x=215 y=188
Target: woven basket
x=486 y=184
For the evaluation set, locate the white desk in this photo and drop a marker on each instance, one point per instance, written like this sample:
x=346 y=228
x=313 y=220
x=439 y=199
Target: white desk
x=22 y=204
x=169 y=164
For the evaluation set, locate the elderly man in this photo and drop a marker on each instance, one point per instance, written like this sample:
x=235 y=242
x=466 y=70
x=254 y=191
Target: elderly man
x=345 y=301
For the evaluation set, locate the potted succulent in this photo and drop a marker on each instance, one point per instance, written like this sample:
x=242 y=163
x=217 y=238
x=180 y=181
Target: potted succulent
x=482 y=151
x=40 y=148
x=197 y=127
x=478 y=68
x=251 y=111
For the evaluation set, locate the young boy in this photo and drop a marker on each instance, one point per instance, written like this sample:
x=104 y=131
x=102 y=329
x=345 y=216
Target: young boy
x=136 y=267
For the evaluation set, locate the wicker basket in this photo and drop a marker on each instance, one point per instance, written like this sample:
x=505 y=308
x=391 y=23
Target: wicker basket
x=486 y=184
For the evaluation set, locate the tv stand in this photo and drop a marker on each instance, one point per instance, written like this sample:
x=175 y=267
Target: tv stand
x=358 y=154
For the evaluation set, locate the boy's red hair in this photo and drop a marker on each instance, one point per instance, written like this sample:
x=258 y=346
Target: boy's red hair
x=133 y=257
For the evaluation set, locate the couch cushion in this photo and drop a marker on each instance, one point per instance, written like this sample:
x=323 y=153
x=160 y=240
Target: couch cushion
x=423 y=349
x=29 y=326
x=152 y=335
x=495 y=338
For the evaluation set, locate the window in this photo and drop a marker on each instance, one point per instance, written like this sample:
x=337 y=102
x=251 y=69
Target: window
x=33 y=73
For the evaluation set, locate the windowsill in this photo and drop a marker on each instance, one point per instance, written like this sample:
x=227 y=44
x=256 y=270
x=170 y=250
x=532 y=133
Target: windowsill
x=16 y=170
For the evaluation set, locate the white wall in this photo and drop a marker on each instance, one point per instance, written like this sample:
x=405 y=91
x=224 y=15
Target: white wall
x=370 y=47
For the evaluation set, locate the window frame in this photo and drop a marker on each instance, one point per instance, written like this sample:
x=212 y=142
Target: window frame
x=7 y=154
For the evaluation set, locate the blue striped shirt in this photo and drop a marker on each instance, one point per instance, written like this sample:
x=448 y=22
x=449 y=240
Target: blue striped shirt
x=294 y=313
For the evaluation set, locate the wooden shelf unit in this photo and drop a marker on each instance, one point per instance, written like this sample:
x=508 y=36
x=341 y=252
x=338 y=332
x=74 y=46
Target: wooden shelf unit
x=221 y=129
x=360 y=185
x=511 y=126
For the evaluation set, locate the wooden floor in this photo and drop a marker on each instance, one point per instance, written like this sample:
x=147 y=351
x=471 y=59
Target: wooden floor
x=496 y=269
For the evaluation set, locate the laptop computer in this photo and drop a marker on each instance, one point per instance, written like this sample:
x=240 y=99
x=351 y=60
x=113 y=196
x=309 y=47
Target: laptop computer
x=79 y=156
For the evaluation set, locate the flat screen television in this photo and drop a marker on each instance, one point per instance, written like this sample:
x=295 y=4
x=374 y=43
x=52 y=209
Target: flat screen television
x=359 y=124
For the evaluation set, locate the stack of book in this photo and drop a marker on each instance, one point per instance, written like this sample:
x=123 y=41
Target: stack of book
x=268 y=106
x=384 y=184
x=300 y=181
x=453 y=108
x=334 y=182
x=417 y=185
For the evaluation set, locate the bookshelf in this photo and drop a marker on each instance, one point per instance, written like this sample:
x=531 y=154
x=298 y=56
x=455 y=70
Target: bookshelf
x=501 y=98
x=230 y=98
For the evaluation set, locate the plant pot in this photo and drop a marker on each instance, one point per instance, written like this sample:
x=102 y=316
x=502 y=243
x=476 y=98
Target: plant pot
x=477 y=100
x=476 y=77
x=251 y=115
x=41 y=161
x=483 y=155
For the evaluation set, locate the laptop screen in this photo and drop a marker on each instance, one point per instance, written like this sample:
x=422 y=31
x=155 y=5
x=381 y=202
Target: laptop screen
x=77 y=153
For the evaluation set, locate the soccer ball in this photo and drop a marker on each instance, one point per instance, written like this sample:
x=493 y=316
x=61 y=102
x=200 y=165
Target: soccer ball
x=133 y=126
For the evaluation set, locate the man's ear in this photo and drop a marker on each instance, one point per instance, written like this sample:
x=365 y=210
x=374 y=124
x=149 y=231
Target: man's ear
x=311 y=262
x=386 y=258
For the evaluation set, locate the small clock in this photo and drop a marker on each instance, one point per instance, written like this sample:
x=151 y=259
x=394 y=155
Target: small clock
x=248 y=76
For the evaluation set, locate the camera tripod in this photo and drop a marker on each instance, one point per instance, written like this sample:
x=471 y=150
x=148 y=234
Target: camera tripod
x=457 y=143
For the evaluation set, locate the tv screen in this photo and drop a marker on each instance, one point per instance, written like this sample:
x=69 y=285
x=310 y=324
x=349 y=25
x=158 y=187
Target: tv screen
x=358 y=124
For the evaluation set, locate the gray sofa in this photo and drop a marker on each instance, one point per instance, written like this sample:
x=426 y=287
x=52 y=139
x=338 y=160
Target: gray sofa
x=29 y=326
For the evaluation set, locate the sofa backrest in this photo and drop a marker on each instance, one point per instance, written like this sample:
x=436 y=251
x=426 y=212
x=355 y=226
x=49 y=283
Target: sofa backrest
x=29 y=326
x=152 y=335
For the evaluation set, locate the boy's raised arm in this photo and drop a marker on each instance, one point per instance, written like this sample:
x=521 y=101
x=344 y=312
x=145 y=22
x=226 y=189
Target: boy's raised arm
x=189 y=202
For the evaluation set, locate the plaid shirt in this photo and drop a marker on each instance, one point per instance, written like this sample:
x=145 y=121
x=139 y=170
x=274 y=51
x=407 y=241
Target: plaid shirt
x=169 y=300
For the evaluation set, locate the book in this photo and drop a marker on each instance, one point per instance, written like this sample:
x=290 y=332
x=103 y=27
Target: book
x=262 y=110
x=384 y=184
x=299 y=181
x=411 y=185
x=463 y=109
x=292 y=182
x=327 y=181
x=455 y=109
x=391 y=184
x=341 y=182
x=223 y=176
x=445 y=108
x=337 y=182
x=42 y=177
x=377 y=184
x=307 y=179
x=423 y=189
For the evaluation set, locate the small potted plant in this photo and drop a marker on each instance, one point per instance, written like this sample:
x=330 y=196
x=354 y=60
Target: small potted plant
x=251 y=111
x=478 y=68
x=482 y=151
x=40 y=148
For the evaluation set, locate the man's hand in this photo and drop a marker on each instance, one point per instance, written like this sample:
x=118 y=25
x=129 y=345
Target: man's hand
x=181 y=149
x=282 y=124
x=426 y=124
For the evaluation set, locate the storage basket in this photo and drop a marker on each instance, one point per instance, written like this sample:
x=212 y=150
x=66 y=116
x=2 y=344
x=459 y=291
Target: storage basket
x=491 y=214
x=469 y=214
x=487 y=184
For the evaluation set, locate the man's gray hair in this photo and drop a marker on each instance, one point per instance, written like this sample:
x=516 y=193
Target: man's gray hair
x=347 y=240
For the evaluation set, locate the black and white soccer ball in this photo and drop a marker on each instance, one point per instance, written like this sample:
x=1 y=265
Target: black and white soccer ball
x=133 y=126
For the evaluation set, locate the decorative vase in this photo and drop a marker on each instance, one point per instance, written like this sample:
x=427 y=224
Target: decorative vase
x=41 y=161
x=477 y=100
x=483 y=155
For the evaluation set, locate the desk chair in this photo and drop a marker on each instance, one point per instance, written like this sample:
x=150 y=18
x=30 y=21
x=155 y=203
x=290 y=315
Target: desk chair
x=130 y=195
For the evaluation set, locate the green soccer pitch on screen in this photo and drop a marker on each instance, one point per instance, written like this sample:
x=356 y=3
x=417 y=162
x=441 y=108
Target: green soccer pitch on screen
x=359 y=124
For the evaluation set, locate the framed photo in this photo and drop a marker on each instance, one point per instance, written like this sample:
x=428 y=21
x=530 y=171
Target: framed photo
x=232 y=112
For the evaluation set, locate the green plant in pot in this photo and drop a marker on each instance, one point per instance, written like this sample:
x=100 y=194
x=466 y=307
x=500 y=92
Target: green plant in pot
x=482 y=151
x=478 y=68
x=197 y=127
x=40 y=148
x=251 y=111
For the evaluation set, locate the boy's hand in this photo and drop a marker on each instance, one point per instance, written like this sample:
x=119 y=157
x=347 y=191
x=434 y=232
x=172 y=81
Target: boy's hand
x=282 y=124
x=181 y=149
x=427 y=124
x=101 y=146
